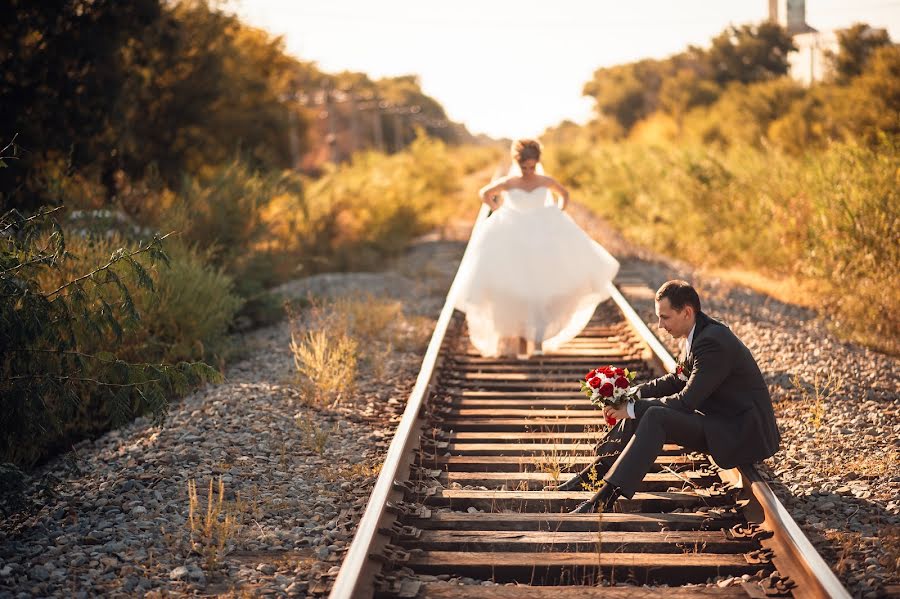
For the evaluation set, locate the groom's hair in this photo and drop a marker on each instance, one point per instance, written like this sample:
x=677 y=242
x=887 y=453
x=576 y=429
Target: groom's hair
x=680 y=294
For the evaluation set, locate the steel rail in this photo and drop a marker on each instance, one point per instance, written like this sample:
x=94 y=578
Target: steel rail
x=357 y=574
x=807 y=568
x=660 y=353
x=795 y=556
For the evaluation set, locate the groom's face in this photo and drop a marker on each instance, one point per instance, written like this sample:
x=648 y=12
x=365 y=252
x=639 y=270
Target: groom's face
x=677 y=323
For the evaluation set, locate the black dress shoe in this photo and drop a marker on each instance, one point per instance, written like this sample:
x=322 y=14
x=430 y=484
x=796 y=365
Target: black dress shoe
x=585 y=507
x=605 y=497
x=573 y=484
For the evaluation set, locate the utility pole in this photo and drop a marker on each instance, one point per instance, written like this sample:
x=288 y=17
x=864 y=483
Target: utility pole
x=293 y=138
x=398 y=131
x=354 y=126
x=376 y=125
x=331 y=138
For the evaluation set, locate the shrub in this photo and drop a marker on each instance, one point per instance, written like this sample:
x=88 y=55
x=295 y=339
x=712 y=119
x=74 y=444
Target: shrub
x=185 y=316
x=332 y=339
x=190 y=315
x=60 y=381
x=825 y=218
x=372 y=207
x=326 y=359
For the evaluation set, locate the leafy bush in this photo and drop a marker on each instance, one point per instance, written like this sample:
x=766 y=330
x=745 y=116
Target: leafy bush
x=58 y=383
x=372 y=207
x=186 y=314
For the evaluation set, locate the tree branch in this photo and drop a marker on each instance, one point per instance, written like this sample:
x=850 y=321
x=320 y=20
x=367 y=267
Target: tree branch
x=79 y=379
x=68 y=352
x=140 y=250
x=39 y=215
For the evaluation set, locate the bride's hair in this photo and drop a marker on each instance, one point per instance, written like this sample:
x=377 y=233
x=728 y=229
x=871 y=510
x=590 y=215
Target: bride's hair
x=526 y=149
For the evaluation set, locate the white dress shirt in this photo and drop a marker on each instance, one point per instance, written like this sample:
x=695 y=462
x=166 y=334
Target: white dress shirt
x=688 y=340
x=629 y=407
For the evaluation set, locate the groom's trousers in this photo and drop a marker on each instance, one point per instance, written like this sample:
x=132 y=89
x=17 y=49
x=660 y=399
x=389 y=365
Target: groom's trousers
x=607 y=450
x=658 y=425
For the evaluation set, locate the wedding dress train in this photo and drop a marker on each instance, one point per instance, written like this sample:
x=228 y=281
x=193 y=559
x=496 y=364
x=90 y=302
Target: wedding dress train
x=530 y=272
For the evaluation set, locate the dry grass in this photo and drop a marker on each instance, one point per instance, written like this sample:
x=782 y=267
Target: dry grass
x=327 y=362
x=333 y=340
x=816 y=393
x=789 y=290
x=210 y=531
x=314 y=437
x=353 y=472
x=824 y=219
x=558 y=462
x=549 y=463
x=890 y=543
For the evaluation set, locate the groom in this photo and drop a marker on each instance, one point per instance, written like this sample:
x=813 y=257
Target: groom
x=719 y=405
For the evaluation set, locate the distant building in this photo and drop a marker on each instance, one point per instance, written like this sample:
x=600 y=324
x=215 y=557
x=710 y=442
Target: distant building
x=809 y=63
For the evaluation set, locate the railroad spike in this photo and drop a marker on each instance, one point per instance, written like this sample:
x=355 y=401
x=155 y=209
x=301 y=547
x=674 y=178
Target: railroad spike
x=777 y=586
x=415 y=488
x=391 y=555
x=394 y=586
x=749 y=530
x=401 y=508
x=399 y=532
x=759 y=556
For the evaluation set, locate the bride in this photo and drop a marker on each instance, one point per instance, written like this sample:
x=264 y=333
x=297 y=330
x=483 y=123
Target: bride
x=531 y=278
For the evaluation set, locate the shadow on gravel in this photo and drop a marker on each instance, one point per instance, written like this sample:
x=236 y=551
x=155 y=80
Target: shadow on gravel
x=858 y=538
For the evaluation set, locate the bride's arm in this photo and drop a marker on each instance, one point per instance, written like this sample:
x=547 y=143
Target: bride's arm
x=489 y=193
x=561 y=191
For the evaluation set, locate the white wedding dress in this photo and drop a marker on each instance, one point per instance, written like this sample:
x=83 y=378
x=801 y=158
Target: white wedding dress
x=530 y=272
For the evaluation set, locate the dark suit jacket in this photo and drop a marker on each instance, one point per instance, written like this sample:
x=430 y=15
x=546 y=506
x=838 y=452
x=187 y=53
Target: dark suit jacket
x=726 y=386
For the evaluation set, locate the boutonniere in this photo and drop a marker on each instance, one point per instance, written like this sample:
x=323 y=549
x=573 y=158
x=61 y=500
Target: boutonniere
x=682 y=371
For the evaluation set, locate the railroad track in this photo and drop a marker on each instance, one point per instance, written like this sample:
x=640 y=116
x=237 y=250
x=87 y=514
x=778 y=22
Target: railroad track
x=460 y=500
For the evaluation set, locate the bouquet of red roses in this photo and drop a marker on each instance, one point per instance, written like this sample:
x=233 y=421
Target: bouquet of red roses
x=608 y=386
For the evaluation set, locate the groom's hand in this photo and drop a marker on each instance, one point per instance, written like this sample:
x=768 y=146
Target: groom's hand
x=617 y=413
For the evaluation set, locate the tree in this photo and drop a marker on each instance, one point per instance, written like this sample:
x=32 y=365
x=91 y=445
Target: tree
x=205 y=88
x=62 y=76
x=113 y=87
x=629 y=92
x=855 y=47
x=750 y=53
x=684 y=91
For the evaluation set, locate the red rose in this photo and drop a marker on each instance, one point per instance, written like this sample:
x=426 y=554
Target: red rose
x=620 y=372
x=621 y=382
x=606 y=390
x=606 y=370
x=590 y=375
x=594 y=382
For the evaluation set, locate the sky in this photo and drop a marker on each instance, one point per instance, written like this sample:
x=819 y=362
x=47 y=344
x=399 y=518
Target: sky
x=513 y=68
